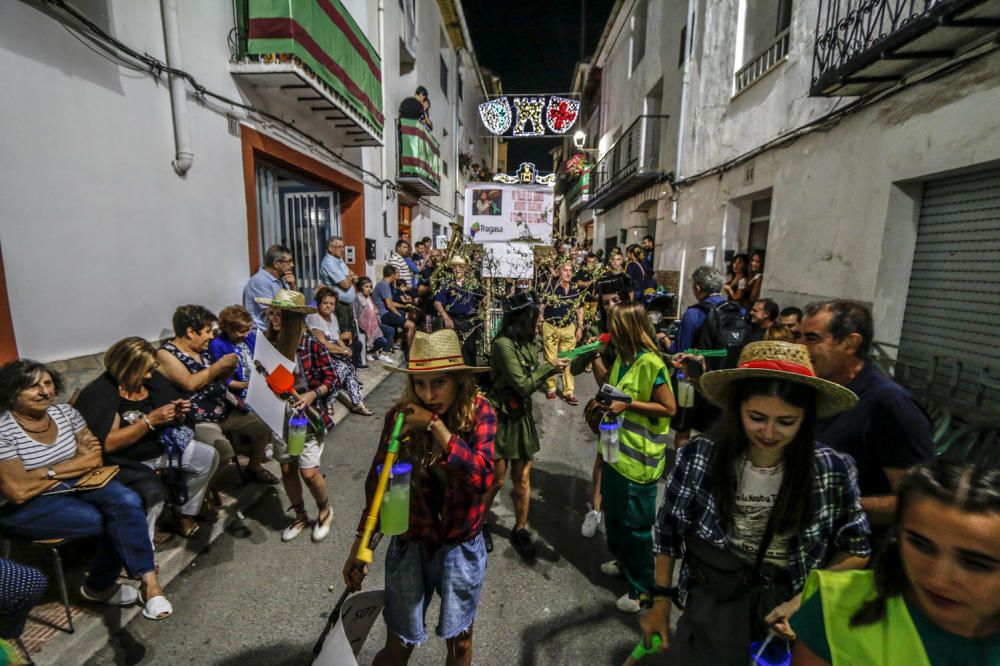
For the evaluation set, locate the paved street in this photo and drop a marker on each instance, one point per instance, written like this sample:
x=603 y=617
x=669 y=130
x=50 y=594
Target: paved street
x=257 y=600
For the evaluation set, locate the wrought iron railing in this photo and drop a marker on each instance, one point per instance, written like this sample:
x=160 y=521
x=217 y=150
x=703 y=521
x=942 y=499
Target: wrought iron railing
x=849 y=30
x=772 y=56
x=637 y=152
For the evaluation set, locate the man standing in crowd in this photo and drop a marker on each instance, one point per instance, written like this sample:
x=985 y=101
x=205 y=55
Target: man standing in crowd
x=791 y=318
x=886 y=432
x=334 y=273
x=398 y=260
x=647 y=255
x=562 y=326
x=274 y=275
x=390 y=312
x=763 y=316
x=457 y=307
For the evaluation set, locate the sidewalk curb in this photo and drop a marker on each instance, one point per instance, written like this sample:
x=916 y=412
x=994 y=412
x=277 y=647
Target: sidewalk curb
x=94 y=631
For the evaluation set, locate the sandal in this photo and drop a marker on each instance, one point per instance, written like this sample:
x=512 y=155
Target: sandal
x=300 y=523
x=156 y=608
x=191 y=530
x=260 y=475
x=362 y=409
x=125 y=595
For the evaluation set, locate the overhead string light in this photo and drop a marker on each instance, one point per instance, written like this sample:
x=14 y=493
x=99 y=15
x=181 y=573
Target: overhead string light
x=496 y=115
x=528 y=110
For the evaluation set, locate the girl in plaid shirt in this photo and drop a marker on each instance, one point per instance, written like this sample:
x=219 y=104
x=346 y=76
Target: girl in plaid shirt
x=448 y=438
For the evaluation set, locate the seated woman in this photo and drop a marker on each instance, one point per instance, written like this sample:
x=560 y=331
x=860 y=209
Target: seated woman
x=315 y=383
x=48 y=447
x=451 y=431
x=236 y=336
x=133 y=410
x=933 y=596
x=366 y=314
x=185 y=361
x=323 y=325
x=21 y=589
x=759 y=501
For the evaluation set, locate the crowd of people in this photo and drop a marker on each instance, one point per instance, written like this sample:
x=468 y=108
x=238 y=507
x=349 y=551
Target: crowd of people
x=802 y=506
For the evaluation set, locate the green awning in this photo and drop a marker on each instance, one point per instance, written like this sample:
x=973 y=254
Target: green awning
x=419 y=154
x=324 y=37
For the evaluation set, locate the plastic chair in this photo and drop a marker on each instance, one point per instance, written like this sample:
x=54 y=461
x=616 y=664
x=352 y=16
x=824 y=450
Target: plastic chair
x=53 y=546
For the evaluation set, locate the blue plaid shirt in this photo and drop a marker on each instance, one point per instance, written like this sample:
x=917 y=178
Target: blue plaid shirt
x=688 y=507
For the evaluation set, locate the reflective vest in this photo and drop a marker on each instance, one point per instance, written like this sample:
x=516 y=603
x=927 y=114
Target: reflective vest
x=890 y=641
x=642 y=439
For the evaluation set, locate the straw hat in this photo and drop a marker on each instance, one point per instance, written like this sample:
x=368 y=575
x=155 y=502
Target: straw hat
x=458 y=260
x=773 y=359
x=286 y=299
x=439 y=351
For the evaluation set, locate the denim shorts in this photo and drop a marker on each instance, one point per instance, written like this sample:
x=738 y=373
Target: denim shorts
x=456 y=572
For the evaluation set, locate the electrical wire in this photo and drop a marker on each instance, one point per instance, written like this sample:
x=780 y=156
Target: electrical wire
x=157 y=68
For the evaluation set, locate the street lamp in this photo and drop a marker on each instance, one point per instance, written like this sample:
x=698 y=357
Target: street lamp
x=578 y=138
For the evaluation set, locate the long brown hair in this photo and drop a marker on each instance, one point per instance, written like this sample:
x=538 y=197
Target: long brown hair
x=460 y=418
x=631 y=331
x=286 y=341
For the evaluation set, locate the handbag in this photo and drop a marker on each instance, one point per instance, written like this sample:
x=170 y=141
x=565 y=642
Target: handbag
x=92 y=480
x=754 y=590
x=174 y=439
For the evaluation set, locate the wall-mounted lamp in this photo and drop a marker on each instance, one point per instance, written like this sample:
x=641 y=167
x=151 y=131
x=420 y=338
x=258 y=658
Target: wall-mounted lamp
x=578 y=138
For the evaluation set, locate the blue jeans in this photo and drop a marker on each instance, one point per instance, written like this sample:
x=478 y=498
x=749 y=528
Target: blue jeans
x=113 y=512
x=412 y=575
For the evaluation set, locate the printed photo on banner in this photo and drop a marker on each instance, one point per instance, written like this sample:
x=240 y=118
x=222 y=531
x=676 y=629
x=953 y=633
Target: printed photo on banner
x=509 y=212
x=488 y=202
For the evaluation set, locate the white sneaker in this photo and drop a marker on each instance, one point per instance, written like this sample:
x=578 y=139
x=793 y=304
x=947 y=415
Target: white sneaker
x=371 y=357
x=293 y=531
x=627 y=605
x=322 y=528
x=385 y=358
x=611 y=568
x=590 y=523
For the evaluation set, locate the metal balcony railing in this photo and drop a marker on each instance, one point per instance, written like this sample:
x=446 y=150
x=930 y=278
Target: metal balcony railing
x=769 y=58
x=631 y=163
x=864 y=44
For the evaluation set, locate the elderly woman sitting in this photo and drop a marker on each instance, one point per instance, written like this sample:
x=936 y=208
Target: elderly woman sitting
x=44 y=450
x=141 y=417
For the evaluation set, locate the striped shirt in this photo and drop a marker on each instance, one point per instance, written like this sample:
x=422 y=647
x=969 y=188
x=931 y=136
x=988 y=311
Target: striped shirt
x=405 y=276
x=15 y=443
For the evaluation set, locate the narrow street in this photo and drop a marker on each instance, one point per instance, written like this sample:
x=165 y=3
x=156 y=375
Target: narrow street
x=258 y=600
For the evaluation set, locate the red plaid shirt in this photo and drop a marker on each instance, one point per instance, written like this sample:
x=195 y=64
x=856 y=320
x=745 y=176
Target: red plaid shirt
x=439 y=513
x=317 y=370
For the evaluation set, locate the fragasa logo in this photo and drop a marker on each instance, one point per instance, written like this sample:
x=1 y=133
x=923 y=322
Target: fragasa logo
x=476 y=227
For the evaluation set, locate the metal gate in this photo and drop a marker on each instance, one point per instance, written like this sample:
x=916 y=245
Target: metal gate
x=950 y=344
x=303 y=219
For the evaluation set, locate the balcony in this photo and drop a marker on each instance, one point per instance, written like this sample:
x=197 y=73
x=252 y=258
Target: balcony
x=863 y=46
x=579 y=192
x=772 y=56
x=419 y=159
x=308 y=59
x=631 y=164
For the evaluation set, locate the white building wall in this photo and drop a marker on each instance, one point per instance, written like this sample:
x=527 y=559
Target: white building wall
x=101 y=239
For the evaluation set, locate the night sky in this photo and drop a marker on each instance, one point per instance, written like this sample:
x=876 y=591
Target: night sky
x=533 y=47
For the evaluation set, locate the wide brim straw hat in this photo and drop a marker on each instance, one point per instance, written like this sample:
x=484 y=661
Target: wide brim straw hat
x=286 y=299
x=439 y=351
x=458 y=260
x=772 y=359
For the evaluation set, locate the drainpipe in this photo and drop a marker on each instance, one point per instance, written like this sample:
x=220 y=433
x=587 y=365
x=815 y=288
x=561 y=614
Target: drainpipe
x=388 y=133
x=183 y=158
x=685 y=86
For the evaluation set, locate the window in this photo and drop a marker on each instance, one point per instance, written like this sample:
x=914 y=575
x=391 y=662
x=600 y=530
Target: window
x=762 y=38
x=682 y=55
x=460 y=88
x=760 y=222
x=444 y=77
x=444 y=167
x=637 y=23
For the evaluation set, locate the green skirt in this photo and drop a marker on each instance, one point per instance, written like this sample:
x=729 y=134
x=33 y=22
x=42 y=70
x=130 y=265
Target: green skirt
x=517 y=438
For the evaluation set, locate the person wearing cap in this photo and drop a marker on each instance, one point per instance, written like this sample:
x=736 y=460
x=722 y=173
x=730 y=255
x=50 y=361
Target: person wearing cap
x=611 y=290
x=448 y=439
x=629 y=484
x=515 y=374
x=562 y=327
x=315 y=383
x=457 y=307
x=753 y=509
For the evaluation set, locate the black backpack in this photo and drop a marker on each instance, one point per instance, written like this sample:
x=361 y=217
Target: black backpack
x=725 y=328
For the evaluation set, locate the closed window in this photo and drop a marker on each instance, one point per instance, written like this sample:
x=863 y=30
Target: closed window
x=444 y=77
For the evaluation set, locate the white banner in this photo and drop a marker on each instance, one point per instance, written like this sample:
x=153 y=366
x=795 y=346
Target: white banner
x=498 y=212
x=348 y=636
x=269 y=407
x=509 y=260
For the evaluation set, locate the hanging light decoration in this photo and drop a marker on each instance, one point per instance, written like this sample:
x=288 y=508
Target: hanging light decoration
x=526 y=116
x=560 y=114
x=496 y=115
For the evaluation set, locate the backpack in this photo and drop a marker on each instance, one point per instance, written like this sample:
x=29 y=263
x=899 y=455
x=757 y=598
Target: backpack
x=725 y=327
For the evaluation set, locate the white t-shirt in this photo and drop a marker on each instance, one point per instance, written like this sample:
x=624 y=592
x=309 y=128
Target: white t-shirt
x=15 y=443
x=756 y=492
x=330 y=328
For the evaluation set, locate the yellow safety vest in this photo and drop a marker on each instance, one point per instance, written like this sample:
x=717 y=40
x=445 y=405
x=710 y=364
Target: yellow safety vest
x=642 y=440
x=890 y=642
